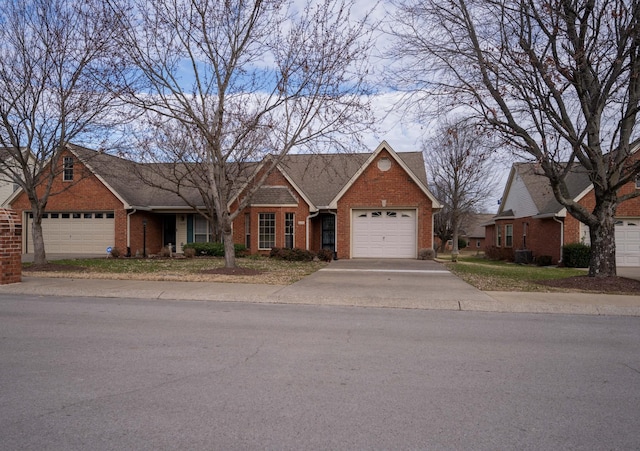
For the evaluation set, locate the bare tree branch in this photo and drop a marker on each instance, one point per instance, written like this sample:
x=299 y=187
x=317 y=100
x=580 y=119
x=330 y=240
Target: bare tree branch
x=229 y=82
x=558 y=80
x=57 y=65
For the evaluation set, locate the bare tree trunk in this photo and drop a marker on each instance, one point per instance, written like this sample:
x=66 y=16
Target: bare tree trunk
x=227 y=239
x=603 y=241
x=39 y=255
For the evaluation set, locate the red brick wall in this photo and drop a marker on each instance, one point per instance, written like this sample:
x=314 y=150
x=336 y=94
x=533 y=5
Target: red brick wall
x=373 y=186
x=153 y=234
x=10 y=247
x=543 y=236
x=301 y=211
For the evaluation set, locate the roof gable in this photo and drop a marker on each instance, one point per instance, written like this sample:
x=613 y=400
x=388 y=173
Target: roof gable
x=518 y=198
x=528 y=191
x=419 y=181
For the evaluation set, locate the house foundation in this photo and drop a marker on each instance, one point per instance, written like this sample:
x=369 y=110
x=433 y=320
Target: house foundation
x=10 y=247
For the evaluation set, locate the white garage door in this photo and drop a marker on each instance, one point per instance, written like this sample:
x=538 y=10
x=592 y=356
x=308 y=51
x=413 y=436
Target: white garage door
x=384 y=234
x=628 y=242
x=76 y=233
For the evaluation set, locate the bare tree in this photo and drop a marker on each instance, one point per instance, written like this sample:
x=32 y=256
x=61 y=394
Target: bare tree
x=559 y=80
x=458 y=157
x=230 y=82
x=54 y=65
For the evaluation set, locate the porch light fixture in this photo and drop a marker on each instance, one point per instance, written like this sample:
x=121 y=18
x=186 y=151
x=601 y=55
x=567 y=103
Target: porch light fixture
x=144 y=238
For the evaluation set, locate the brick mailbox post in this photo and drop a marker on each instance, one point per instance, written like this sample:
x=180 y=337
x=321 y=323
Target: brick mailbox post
x=10 y=247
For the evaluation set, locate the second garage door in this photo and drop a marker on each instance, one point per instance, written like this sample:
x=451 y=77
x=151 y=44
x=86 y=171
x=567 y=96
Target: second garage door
x=628 y=242
x=76 y=233
x=384 y=234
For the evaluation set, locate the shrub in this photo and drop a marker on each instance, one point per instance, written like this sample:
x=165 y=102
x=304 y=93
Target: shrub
x=295 y=254
x=115 y=252
x=543 y=260
x=165 y=252
x=214 y=249
x=462 y=243
x=189 y=252
x=325 y=255
x=426 y=254
x=499 y=253
x=576 y=255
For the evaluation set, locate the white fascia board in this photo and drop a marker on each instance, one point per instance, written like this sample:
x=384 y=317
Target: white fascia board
x=507 y=188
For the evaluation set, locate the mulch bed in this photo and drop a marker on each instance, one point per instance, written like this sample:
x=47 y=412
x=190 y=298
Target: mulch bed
x=238 y=271
x=609 y=285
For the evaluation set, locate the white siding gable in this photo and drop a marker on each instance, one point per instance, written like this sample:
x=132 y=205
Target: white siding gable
x=6 y=190
x=519 y=200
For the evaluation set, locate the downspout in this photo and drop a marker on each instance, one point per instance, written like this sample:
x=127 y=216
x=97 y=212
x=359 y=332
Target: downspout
x=307 y=231
x=561 y=234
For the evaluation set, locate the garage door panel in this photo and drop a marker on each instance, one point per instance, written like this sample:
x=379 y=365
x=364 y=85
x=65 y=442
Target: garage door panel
x=384 y=234
x=79 y=233
x=628 y=242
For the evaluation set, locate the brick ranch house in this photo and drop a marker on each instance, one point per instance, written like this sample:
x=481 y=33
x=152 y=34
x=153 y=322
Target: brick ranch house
x=358 y=205
x=530 y=218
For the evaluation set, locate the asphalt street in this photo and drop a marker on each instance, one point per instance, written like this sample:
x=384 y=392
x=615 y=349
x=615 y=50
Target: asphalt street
x=105 y=373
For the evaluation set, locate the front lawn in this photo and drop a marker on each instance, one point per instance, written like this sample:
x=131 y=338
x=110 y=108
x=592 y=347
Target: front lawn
x=199 y=269
x=489 y=275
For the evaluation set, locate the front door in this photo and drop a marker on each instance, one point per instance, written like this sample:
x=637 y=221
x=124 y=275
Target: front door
x=329 y=232
x=169 y=231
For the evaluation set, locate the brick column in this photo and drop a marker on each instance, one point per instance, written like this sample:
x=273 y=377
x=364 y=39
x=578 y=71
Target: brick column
x=10 y=247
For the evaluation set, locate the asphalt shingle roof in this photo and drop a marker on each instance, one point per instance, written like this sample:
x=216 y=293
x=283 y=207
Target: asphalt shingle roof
x=319 y=176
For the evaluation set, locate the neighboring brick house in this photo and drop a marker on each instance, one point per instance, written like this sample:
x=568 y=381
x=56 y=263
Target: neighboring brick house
x=474 y=232
x=530 y=218
x=358 y=205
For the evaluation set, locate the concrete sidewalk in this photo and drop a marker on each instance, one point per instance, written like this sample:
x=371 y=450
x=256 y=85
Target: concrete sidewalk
x=465 y=300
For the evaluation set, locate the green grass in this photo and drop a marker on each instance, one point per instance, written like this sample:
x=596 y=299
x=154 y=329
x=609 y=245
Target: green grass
x=490 y=275
x=273 y=271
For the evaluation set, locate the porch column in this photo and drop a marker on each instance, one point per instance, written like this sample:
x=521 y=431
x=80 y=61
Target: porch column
x=10 y=247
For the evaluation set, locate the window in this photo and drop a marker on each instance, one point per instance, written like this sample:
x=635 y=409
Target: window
x=266 y=230
x=508 y=235
x=288 y=230
x=498 y=235
x=200 y=230
x=247 y=230
x=638 y=182
x=67 y=165
x=478 y=243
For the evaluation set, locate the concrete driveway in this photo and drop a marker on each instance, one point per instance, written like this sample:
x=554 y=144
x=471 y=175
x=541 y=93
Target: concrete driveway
x=389 y=282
